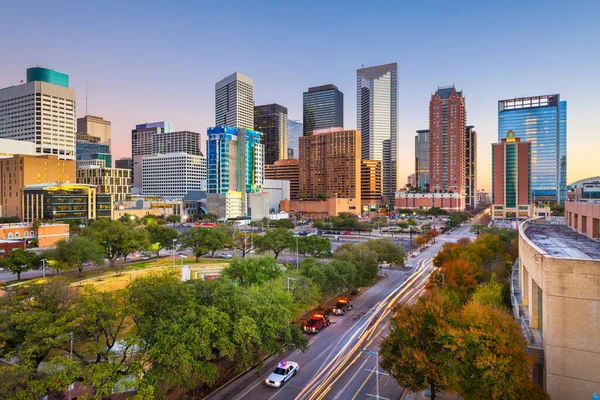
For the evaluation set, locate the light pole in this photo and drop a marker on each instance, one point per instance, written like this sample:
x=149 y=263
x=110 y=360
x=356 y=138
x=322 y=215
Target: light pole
x=182 y=257
x=173 y=252
x=43 y=260
x=297 y=259
x=377 y=373
x=288 y=281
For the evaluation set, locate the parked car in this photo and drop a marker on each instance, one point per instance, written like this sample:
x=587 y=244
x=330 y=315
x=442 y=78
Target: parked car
x=342 y=306
x=316 y=323
x=347 y=233
x=225 y=255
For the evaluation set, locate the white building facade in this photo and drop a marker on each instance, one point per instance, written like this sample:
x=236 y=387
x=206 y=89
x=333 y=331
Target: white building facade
x=172 y=175
x=234 y=101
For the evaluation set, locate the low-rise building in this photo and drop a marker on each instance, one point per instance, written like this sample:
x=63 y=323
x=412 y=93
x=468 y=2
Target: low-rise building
x=47 y=234
x=258 y=205
x=115 y=181
x=278 y=190
x=416 y=200
x=226 y=206
x=317 y=209
x=555 y=296
x=286 y=170
x=584 y=217
x=10 y=148
x=7 y=246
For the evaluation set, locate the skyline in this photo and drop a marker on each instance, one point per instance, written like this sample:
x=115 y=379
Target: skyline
x=138 y=73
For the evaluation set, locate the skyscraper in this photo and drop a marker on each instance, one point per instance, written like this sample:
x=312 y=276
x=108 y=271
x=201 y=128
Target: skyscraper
x=447 y=126
x=41 y=111
x=272 y=121
x=95 y=126
x=511 y=178
x=295 y=131
x=142 y=144
x=234 y=101
x=422 y=158
x=470 y=167
x=322 y=108
x=543 y=121
x=376 y=118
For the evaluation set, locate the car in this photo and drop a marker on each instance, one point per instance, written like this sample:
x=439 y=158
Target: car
x=225 y=255
x=316 y=323
x=347 y=233
x=342 y=306
x=282 y=373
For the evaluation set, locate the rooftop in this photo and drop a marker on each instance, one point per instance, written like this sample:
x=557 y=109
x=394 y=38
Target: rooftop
x=563 y=242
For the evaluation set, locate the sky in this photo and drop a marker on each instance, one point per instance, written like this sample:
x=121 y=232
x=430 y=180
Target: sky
x=147 y=61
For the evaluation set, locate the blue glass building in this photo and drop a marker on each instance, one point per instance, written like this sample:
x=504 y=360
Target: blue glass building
x=234 y=160
x=93 y=151
x=322 y=108
x=542 y=120
x=47 y=75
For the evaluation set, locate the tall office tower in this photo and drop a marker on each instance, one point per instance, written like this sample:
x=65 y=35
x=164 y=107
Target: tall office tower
x=330 y=164
x=41 y=111
x=234 y=101
x=543 y=121
x=370 y=184
x=172 y=175
x=234 y=160
x=511 y=178
x=295 y=131
x=95 y=126
x=377 y=120
x=142 y=144
x=322 y=108
x=447 y=126
x=286 y=170
x=470 y=167
x=125 y=163
x=177 y=142
x=422 y=158
x=89 y=148
x=272 y=121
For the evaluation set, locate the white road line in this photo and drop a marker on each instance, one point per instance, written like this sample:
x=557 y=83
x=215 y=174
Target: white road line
x=281 y=388
x=361 y=303
x=359 y=370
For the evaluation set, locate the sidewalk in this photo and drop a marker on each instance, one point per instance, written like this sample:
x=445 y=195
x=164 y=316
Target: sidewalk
x=421 y=396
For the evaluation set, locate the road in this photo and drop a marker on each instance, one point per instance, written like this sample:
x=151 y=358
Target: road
x=332 y=367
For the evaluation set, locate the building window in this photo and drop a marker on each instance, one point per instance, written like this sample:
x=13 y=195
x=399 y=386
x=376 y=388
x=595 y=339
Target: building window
x=10 y=235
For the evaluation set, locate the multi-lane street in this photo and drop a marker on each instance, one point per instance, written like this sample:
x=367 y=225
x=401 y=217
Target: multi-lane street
x=333 y=367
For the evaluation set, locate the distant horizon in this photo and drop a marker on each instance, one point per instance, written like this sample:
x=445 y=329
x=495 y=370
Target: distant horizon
x=137 y=72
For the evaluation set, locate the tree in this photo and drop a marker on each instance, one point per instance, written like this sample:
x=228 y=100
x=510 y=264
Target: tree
x=243 y=242
x=162 y=237
x=275 y=241
x=415 y=353
x=75 y=253
x=420 y=240
x=431 y=234
x=19 y=261
x=210 y=217
x=284 y=223
x=250 y=271
x=174 y=218
x=332 y=278
x=490 y=294
x=36 y=227
x=387 y=251
x=202 y=241
x=363 y=259
x=314 y=246
x=459 y=276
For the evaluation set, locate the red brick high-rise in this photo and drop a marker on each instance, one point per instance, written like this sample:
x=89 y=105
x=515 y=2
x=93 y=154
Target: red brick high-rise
x=447 y=153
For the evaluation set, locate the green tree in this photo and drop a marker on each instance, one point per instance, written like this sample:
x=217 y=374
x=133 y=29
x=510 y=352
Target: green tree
x=19 y=261
x=174 y=218
x=242 y=241
x=387 y=251
x=210 y=217
x=203 y=241
x=250 y=271
x=415 y=352
x=363 y=259
x=275 y=241
x=75 y=253
x=162 y=237
x=314 y=246
x=333 y=278
x=284 y=223
x=490 y=294
x=403 y=224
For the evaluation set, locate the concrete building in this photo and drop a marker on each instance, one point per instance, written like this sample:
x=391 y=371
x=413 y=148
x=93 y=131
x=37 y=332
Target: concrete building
x=422 y=158
x=447 y=126
x=272 y=121
x=10 y=147
x=470 y=167
x=584 y=217
x=377 y=120
x=555 y=292
x=125 y=163
x=235 y=160
x=287 y=170
x=65 y=203
x=140 y=206
x=318 y=209
x=172 y=175
x=278 y=190
x=47 y=234
x=142 y=144
x=226 y=206
x=446 y=201
x=234 y=101
x=588 y=192
x=330 y=165
x=8 y=246
x=322 y=108
x=177 y=142
x=95 y=126
x=23 y=170
x=41 y=111
x=295 y=131
x=511 y=178
x=114 y=181
x=543 y=121
x=258 y=205
x=371 y=187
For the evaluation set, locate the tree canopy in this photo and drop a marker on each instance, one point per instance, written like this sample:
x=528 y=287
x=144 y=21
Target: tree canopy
x=275 y=241
x=75 y=253
x=19 y=261
x=161 y=237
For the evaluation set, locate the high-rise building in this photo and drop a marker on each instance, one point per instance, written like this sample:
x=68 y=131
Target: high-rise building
x=295 y=131
x=177 y=142
x=41 y=111
x=542 y=120
x=322 y=108
x=272 y=121
x=234 y=160
x=234 y=101
x=286 y=170
x=90 y=150
x=370 y=185
x=113 y=181
x=377 y=120
x=422 y=158
x=124 y=162
x=142 y=144
x=95 y=126
x=172 y=175
x=21 y=170
x=447 y=127
x=470 y=167
x=330 y=164
x=511 y=178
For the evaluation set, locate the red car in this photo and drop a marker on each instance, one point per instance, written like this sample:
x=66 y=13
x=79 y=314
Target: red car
x=347 y=233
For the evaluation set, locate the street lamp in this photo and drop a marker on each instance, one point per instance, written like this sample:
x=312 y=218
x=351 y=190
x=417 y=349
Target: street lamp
x=288 y=282
x=377 y=373
x=43 y=260
x=173 y=252
x=182 y=257
x=297 y=259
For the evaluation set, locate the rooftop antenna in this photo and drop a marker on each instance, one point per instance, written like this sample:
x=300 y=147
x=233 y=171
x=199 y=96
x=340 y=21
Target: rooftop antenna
x=86 y=98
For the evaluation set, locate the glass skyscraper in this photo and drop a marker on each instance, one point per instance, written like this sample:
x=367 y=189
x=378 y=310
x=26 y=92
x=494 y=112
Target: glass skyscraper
x=422 y=158
x=323 y=107
x=295 y=130
x=542 y=120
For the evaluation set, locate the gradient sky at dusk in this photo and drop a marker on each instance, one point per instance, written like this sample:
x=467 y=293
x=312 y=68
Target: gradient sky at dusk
x=148 y=61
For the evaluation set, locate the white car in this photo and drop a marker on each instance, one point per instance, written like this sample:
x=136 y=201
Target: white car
x=225 y=255
x=282 y=373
